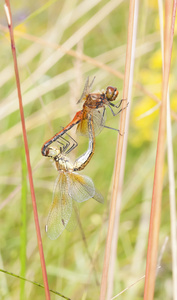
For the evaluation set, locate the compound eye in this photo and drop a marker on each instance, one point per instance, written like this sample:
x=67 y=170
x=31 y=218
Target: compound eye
x=116 y=93
x=111 y=93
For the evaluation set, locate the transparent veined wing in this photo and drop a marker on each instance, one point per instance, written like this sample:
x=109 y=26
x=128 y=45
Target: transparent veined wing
x=81 y=187
x=61 y=208
x=99 y=120
x=82 y=127
x=74 y=219
x=87 y=89
x=98 y=197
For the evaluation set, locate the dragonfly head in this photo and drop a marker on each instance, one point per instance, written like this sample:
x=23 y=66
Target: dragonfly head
x=53 y=152
x=111 y=93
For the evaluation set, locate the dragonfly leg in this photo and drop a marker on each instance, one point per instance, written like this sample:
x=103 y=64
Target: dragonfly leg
x=117 y=106
x=111 y=104
x=102 y=118
x=104 y=110
x=74 y=145
x=65 y=144
x=75 y=121
x=102 y=124
x=113 y=129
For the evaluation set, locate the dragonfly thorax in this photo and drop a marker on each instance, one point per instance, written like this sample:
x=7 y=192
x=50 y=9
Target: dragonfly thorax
x=94 y=101
x=63 y=163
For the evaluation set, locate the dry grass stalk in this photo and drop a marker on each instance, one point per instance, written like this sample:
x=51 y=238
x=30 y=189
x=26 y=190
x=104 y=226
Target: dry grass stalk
x=171 y=172
x=10 y=25
x=158 y=177
x=142 y=277
x=123 y=161
x=118 y=156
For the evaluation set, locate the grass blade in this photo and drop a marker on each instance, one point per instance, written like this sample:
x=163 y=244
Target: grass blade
x=171 y=173
x=158 y=177
x=33 y=282
x=118 y=157
x=23 y=233
x=122 y=170
x=10 y=25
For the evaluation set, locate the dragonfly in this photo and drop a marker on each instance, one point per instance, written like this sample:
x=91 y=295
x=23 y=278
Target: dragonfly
x=95 y=105
x=70 y=187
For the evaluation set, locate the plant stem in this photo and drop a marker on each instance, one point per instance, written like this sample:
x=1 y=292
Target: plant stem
x=41 y=253
x=152 y=252
x=118 y=156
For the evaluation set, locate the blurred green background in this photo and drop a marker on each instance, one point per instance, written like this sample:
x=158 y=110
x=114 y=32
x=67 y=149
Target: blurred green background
x=52 y=82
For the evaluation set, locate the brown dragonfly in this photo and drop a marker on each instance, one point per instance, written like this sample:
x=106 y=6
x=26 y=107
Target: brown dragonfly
x=94 y=105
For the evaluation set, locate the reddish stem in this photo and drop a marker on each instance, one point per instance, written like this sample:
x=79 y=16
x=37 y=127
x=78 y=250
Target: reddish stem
x=10 y=26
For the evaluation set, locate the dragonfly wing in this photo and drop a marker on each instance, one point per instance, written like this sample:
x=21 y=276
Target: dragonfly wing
x=61 y=208
x=73 y=221
x=82 y=127
x=99 y=119
x=98 y=197
x=81 y=187
x=90 y=85
x=85 y=90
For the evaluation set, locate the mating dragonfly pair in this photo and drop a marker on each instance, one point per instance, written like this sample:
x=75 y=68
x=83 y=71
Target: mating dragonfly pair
x=70 y=187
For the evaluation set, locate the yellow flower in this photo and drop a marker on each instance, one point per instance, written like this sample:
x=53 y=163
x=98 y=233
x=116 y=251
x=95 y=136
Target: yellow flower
x=143 y=124
x=155 y=61
x=153 y=4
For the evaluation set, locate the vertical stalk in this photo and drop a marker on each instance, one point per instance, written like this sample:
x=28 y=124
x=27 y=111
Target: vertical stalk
x=118 y=155
x=23 y=230
x=152 y=253
x=123 y=161
x=171 y=172
x=10 y=26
